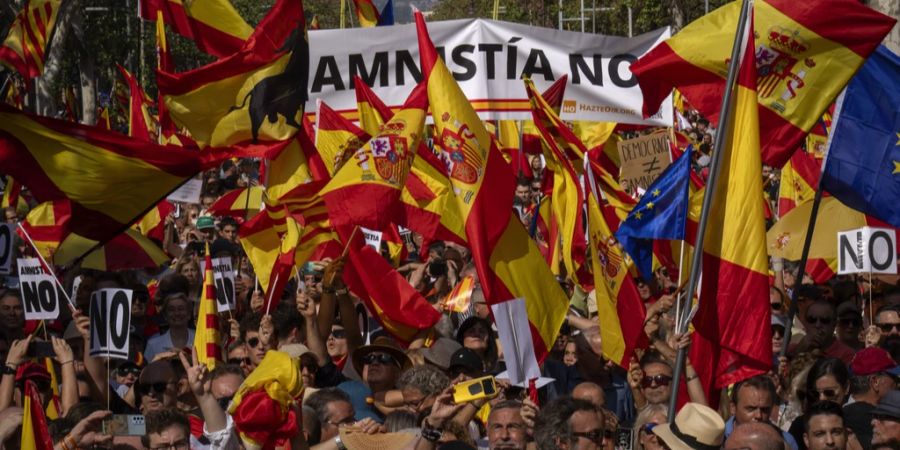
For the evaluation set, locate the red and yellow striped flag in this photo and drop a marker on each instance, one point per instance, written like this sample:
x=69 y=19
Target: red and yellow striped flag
x=127 y=251
x=733 y=338
x=255 y=94
x=35 y=435
x=799 y=178
x=214 y=25
x=372 y=111
x=805 y=58
x=236 y=203
x=141 y=125
x=48 y=225
x=153 y=224
x=508 y=262
x=28 y=39
x=367 y=193
x=459 y=299
x=12 y=191
x=367 y=13
x=207 y=340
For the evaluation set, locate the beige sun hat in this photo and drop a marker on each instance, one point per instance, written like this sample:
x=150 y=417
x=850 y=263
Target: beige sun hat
x=354 y=440
x=696 y=427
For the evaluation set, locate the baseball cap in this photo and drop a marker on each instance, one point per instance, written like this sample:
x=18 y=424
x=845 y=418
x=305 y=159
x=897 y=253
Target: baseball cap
x=440 y=352
x=205 y=222
x=872 y=360
x=889 y=405
x=466 y=359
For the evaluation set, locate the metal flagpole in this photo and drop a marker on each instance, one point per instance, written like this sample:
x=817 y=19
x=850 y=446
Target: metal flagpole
x=715 y=165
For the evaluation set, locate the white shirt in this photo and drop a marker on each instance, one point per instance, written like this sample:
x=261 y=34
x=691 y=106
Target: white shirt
x=162 y=343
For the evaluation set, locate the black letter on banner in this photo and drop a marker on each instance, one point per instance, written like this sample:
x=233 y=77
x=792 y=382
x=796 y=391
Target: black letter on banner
x=30 y=297
x=379 y=69
x=466 y=63
x=47 y=295
x=6 y=247
x=577 y=65
x=99 y=320
x=847 y=249
x=881 y=265
x=333 y=77
x=614 y=64
x=405 y=62
x=532 y=67
x=489 y=50
x=119 y=310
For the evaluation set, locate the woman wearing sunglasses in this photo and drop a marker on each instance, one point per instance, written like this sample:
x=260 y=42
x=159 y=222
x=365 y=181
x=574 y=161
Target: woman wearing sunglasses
x=828 y=379
x=643 y=437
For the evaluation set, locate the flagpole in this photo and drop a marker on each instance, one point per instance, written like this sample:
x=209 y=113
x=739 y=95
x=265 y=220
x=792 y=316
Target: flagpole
x=810 y=229
x=721 y=135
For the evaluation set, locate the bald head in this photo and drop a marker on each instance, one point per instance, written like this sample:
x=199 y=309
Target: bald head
x=591 y=392
x=754 y=436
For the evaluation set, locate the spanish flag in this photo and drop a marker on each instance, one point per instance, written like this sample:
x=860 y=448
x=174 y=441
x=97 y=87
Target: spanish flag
x=459 y=299
x=568 y=197
x=733 y=339
x=367 y=13
x=270 y=240
x=35 y=435
x=27 y=41
x=508 y=262
x=153 y=224
x=261 y=407
x=238 y=203
x=48 y=225
x=207 y=340
x=806 y=54
x=12 y=191
x=372 y=111
x=141 y=125
x=214 y=25
x=799 y=178
x=337 y=139
x=255 y=94
x=367 y=192
x=127 y=251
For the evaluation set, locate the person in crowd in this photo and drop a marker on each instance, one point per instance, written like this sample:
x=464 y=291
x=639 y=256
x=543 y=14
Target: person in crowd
x=755 y=436
x=477 y=335
x=824 y=427
x=167 y=429
x=819 y=321
x=12 y=315
x=874 y=376
x=886 y=421
x=753 y=400
x=828 y=380
x=178 y=312
x=568 y=423
x=849 y=325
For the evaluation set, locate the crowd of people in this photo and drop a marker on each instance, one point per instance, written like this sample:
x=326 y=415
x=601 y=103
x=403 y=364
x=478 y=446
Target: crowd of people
x=834 y=387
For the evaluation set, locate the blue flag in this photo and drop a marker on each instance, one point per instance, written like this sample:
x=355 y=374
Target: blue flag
x=386 y=17
x=862 y=168
x=661 y=214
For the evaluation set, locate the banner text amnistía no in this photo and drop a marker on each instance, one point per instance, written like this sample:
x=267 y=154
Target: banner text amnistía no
x=487 y=58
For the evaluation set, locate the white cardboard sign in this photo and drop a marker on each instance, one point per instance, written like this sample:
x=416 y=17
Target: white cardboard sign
x=110 y=315
x=223 y=275
x=7 y=247
x=867 y=250
x=373 y=238
x=41 y=295
x=515 y=337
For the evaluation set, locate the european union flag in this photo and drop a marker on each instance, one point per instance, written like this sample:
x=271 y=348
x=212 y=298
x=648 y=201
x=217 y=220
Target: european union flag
x=862 y=168
x=386 y=17
x=661 y=214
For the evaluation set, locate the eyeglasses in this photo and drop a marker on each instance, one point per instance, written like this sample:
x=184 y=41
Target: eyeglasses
x=349 y=420
x=649 y=426
x=158 y=388
x=253 y=342
x=124 y=371
x=828 y=394
x=338 y=334
x=812 y=320
x=850 y=322
x=238 y=361
x=888 y=327
x=776 y=306
x=658 y=380
x=595 y=436
x=180 y=445
x=381 y=358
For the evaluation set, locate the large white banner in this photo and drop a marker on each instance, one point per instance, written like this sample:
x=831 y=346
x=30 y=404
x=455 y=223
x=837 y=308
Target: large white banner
x=488 y=59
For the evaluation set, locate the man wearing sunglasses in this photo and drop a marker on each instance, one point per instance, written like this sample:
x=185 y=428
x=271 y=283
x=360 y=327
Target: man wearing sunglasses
x=819 y=320
x=568 y=424
x=256 y=348
x=156 y=387
x=655 y=384
x=887 y=323
x=752 y=401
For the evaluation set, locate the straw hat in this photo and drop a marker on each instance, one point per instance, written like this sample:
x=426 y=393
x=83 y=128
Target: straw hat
x=355 y=440
x=382 y=344
x=696 y=427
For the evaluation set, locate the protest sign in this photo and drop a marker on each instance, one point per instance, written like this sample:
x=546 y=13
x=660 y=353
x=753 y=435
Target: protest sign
x=110 y=316
x=643 y=159
x=223 y=275
x=41 y=295
x=7 y=247
x=515 y=336
x=189 y=192
x=488 y=59
x=867 y=250
x=373 y=238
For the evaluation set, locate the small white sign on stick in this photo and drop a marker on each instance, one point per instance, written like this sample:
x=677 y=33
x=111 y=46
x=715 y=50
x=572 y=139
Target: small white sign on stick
x=867 y=250
x=373 y=238
x=110 y=322
x=41 y=295
x=223 y=275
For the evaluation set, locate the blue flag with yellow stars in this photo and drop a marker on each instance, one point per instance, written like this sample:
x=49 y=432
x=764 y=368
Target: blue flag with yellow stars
x=661 y=214
x=862 y=168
